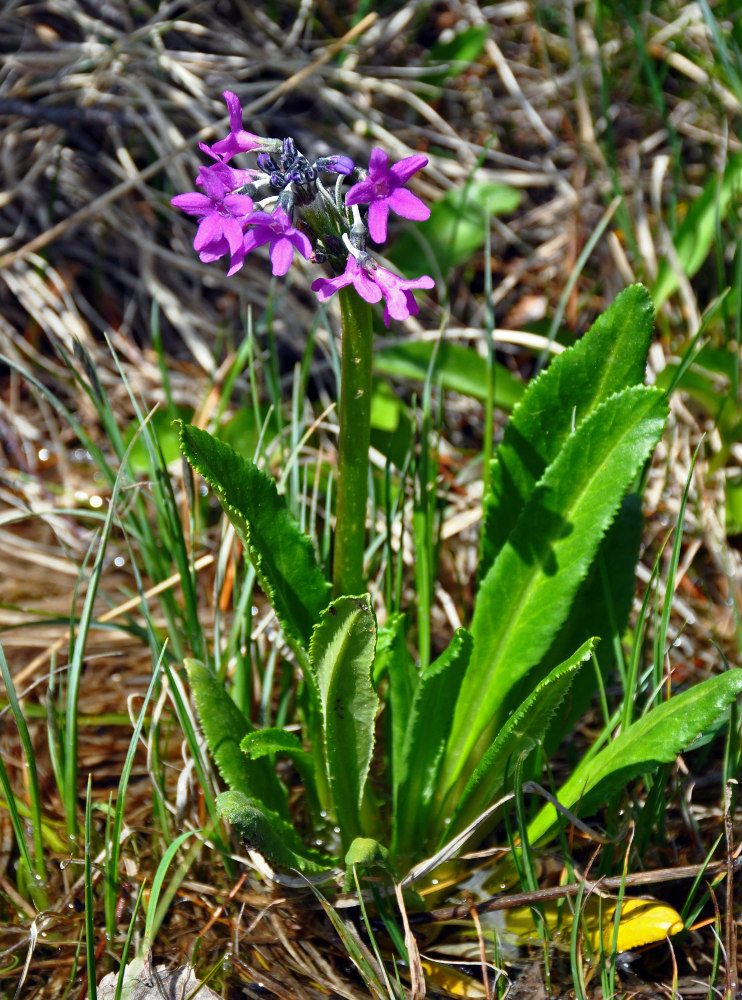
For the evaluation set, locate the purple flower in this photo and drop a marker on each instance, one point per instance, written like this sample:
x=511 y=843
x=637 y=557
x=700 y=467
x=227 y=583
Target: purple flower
x=238 y=140
x=372 y=282
x=383 y=189
x=222 y=215
x=277 y=230
x=335 y=164
x=231 y=178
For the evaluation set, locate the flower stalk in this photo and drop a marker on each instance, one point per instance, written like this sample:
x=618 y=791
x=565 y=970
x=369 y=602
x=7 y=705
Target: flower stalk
x=353 y=443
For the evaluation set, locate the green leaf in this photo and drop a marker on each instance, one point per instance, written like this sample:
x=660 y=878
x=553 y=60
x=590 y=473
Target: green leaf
x=224 y=727
x=523 y=730
x=610 y=357
x=270 y=834
x=426 y=736
x=655 y=739
x=456 y=227
x=269 y=742
x=460 y=369
x=601 y=607
x=283 y=556
x=461 y=50
x=341 y=653
x=365 y=853
x=393 y=660
x=697 y=231
x=528 y=592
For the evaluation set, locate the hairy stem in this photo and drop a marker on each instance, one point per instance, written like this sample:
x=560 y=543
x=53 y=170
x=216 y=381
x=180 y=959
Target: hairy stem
x=353 y=444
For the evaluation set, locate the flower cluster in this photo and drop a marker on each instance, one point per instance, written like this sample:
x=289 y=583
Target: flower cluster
x=283 y=203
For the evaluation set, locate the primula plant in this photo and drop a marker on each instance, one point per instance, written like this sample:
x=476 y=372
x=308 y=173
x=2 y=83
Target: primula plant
x=560 y=539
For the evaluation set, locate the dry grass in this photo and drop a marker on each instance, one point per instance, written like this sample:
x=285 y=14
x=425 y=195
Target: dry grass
x=101 y=105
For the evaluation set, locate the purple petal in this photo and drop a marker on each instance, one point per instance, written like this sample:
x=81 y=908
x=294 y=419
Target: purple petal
x=362 y=282
x=378 y=166
x=256 y=238
x=239 y=205
x=212 y=182
x=280 y=222
x=361 y=193
x=259 y=218
x=378 y=214
x=233 y=234
x=236 y=142
x=193 y=203
x=408 y=205
x=282 y=253
x=216 y=249
x=301 y=242
x=238 y=259
x=209 y=232
x=401 y=172
x=326 y=287
x=235 y=110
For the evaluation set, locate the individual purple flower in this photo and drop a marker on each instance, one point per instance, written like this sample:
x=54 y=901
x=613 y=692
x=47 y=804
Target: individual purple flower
x=277 y=230
x=383 y=190
x=238 y=140
x=222 y=215
x=231 y=178
x=335 y=164
x=372 y=282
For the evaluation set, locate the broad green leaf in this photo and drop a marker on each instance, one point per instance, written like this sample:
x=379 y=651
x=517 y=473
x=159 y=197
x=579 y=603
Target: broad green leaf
x=427 y=732
x=393 y=661
x=365 y=853
x=283 y=556
x=270 y=834
x=460 y=369
x=655 y=739
x=528 y=592
x=523 y=730
x=224 y=727
x=610 y=357
x=456 y=227
x=341 y=653
x=269 y=742
x=601 y=607
x=697 y=231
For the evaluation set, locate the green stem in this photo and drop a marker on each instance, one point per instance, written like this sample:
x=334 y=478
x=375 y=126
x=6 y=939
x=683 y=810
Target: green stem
x=353 y=444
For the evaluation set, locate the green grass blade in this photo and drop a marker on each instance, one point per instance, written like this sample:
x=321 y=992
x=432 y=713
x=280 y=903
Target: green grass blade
x=695 y=235
x=29 y=754
x=89 y=902
x=111 y=883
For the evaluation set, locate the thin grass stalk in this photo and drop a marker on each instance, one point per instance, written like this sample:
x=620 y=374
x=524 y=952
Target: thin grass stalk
x=154 y=914
x=353 y=444
x=661 y=638
x=34 y=794
x=15 y=820
x=127 y=943
x=78 y=643
x=112 y=874
x=89 y=902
